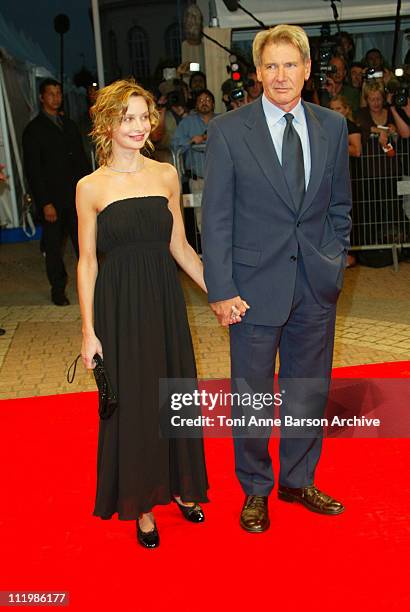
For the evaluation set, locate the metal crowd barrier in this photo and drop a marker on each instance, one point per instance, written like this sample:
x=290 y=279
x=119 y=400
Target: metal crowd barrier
x=190 y=164
x=381 y=198
x=380 y=189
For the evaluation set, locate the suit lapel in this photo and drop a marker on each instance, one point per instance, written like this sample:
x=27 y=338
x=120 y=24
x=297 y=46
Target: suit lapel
x=259 y=141
x=318 y=154
x=50 y=124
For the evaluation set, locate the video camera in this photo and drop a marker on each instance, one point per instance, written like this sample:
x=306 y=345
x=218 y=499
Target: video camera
x=399 y=87
x=232 y=92
x=327 y=48
x=237 y=94
x=372 y=73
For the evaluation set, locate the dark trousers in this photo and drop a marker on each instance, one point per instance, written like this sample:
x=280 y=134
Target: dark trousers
x=53 y=242
x=305 y=345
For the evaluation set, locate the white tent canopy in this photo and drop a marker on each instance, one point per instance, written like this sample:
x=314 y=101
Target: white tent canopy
x=272 y=12
x=21 y=62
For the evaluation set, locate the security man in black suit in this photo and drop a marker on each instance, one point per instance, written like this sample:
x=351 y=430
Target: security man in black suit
x=54 y=161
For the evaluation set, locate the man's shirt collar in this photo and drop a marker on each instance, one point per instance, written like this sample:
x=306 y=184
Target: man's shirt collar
x=274 y=114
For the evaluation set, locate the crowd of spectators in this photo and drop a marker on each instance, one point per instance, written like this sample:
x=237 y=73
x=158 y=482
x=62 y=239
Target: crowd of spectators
x=357 y=89
x=361 y=90
x=364 y=91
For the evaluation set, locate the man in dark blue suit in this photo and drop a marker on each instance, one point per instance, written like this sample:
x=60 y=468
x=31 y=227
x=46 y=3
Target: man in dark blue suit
x=276 y=230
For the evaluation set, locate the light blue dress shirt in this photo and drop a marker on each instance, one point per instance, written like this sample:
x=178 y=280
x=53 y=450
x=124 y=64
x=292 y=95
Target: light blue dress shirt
x=277 y=123
x=194 y=156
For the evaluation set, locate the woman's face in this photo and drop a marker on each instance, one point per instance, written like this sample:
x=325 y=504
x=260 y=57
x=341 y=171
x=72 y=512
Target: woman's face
x=375 y=101
x=337 y=106
x=135 y=127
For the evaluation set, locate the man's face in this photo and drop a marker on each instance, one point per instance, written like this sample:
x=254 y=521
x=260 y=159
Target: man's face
x=255 y=90
x=340 y=73
x=374 y=59
x=346 y=44
x=51 y=99
x=282 y=73
x=356 y=75
x=204 y=104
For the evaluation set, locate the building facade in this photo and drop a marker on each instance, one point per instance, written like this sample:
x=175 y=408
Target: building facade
x=140 y=36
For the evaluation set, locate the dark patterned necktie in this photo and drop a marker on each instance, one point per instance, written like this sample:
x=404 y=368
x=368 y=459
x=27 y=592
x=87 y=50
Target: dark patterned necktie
x=292 y=162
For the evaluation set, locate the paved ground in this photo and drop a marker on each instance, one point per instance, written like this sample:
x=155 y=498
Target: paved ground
x=373 y=325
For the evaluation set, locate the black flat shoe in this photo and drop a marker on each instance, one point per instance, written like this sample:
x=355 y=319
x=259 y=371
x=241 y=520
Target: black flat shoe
x=194 y=513
x=148 y=539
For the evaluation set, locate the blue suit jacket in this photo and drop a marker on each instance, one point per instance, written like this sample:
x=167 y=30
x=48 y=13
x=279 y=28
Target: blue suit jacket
x=251 y=231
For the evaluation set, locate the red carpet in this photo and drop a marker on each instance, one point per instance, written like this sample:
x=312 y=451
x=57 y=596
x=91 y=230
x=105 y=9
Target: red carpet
x=50 y=541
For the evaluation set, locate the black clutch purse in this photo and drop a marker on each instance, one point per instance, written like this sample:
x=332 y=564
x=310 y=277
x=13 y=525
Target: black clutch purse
x=107 y=398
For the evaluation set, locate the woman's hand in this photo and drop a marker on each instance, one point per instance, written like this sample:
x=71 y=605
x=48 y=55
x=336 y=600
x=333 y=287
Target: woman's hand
x=383 y=138
x=89 y=347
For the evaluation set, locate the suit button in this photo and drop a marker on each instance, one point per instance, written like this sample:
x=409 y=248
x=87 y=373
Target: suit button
x=293 y=258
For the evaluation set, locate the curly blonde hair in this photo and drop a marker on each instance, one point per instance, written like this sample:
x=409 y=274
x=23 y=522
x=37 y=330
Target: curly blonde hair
x=110 y=107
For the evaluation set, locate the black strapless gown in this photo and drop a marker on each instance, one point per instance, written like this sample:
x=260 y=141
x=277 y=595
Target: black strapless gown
x=141 y=320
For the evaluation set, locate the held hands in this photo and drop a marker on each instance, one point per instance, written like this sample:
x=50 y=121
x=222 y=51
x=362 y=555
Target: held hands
x=50 y=213
x=230 y=311
x=89 y=347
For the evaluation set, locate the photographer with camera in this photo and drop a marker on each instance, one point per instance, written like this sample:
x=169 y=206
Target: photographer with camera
x=375 y=64
x=172 y=109
x=254 y=88
x=401 y=116
x=336 y=85
x=398 y=99
x=233 y=95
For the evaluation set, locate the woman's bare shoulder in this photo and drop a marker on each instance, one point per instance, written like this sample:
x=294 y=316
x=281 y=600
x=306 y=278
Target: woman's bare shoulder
x=90 y=188
x=91 y=183
x=161 y=168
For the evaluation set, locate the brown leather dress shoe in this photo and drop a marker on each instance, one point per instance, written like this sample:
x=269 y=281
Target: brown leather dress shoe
x=312 y=499
x=255 y=514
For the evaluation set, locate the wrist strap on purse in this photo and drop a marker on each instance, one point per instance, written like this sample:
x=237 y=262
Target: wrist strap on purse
x=73 y=366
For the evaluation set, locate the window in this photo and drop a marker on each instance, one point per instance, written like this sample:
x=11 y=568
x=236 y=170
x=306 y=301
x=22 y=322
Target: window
x=138 y=52
x=173 y=43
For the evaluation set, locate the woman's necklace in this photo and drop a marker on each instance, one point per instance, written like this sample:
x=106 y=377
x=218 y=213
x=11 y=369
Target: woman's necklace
x=128 y=171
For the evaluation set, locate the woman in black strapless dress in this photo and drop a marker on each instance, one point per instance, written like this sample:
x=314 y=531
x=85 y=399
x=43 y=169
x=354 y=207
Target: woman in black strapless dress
x=134 y=314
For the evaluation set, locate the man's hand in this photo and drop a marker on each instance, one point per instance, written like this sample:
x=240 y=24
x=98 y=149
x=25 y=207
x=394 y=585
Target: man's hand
x=183 y=69
x=230 y=311
x=50 y=213
x=198 y=139
x=330 y=87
